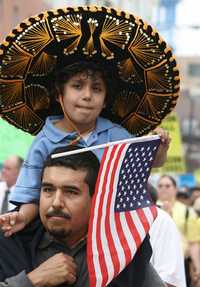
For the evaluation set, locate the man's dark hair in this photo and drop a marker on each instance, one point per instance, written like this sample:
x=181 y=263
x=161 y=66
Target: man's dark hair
x=108 y=72
x=79 y=161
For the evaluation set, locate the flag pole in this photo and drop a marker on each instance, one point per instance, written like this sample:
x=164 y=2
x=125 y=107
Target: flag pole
x=130 y=140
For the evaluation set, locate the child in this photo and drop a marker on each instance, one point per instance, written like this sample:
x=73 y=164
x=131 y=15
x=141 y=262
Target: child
x=89 y=83
x=83 y=93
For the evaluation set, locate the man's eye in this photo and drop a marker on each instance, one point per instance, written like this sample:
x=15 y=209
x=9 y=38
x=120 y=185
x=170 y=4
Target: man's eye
x=47 y=189
x=71 y=191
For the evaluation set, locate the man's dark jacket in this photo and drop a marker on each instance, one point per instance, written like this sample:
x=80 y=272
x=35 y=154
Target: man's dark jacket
x=17 y=253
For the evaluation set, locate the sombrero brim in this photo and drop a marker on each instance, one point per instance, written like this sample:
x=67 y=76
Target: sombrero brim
x=37 y=46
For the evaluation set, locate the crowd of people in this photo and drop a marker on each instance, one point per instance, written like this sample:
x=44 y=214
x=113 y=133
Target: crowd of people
x=90 y=76
x=181 y=205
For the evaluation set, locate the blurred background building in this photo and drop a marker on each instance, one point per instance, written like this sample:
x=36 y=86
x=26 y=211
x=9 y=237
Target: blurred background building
x=177 y=21
x=13 y=11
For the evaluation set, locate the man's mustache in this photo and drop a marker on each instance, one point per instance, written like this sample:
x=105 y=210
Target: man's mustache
x=58 y=214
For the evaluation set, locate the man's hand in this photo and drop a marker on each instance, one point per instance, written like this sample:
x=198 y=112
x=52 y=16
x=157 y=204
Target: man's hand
x=12 y=222
x=58 y=269
x=161 y=155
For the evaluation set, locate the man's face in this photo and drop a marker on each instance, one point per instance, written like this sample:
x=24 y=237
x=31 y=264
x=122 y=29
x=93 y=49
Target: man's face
x=65 y=203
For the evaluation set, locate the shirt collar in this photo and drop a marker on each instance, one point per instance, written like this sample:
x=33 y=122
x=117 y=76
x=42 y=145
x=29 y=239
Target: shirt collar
x=103 y=125
x=48 y=240
x=55 y=135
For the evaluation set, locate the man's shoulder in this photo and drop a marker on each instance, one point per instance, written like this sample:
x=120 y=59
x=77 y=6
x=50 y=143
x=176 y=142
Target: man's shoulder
x=17 y=250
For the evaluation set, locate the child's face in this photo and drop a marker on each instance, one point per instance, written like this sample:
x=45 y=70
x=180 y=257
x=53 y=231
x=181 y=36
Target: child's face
x=84 y=98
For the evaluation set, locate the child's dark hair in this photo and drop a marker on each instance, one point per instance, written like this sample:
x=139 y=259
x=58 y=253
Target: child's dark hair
x=79 y=161
x=108 y=71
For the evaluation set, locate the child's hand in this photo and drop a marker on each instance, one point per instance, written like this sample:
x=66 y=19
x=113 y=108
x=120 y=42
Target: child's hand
x=12 y=222
x=161 y=155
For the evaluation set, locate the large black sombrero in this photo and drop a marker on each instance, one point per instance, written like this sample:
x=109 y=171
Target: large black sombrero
x=40 y=44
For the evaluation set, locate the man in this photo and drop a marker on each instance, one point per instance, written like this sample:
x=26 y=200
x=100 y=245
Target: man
x=9 y=174
x=54 y=253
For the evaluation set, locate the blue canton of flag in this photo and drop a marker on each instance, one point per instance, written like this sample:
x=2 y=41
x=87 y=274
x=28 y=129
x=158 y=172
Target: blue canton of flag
x=135 y=169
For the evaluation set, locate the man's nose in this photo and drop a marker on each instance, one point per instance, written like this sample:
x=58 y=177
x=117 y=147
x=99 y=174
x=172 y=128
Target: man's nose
x=58 y=200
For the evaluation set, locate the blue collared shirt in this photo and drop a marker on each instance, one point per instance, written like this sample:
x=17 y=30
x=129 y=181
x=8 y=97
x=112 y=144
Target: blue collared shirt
x=29 y=180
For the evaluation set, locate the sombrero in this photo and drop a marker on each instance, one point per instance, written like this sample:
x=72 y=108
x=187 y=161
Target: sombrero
x=35 y=48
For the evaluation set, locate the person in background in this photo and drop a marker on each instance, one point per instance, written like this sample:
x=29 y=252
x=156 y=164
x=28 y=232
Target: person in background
x=183 y=195
x=187 y=223
x=167 y=256
x=194 y=194
x=9 y=173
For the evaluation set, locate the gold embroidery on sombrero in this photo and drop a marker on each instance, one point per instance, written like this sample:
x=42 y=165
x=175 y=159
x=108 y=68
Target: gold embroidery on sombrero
x=25 y=118
x=126 y=103
x=139 y=125
x=140 y=54
x=145 y=50
x=158 y=78
x=66 y=28
x=11 y=94
x=35 y=37
x=115 y=31
x=43 y=65
x=15 y=63
x=38 y=97
x=156 y=106
x=128 y=72
x=89 y=47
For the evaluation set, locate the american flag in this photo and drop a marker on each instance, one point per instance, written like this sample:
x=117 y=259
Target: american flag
x=122 y=211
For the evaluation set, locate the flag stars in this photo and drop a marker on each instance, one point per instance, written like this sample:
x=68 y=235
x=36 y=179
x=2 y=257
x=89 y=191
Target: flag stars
x=131 y=188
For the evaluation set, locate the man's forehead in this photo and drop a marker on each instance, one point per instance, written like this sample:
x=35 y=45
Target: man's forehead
x=63 y=174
